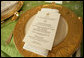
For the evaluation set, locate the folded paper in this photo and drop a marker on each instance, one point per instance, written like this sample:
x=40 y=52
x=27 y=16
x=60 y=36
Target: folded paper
x=42 y=32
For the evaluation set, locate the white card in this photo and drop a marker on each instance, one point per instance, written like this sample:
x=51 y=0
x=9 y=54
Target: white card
x=43 y=13
x=41 y=33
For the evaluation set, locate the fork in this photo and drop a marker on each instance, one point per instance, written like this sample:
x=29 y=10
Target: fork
x=16 y=15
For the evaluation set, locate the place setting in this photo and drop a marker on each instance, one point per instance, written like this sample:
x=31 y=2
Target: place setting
x=48 y=30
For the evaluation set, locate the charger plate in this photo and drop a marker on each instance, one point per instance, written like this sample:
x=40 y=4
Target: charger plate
x=11 y=11
x=64 y=49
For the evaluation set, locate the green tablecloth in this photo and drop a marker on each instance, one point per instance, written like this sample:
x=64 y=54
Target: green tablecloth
x=6 y=28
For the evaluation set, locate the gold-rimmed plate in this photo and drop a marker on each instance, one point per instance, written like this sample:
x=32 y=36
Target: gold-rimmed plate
x=65 y=48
